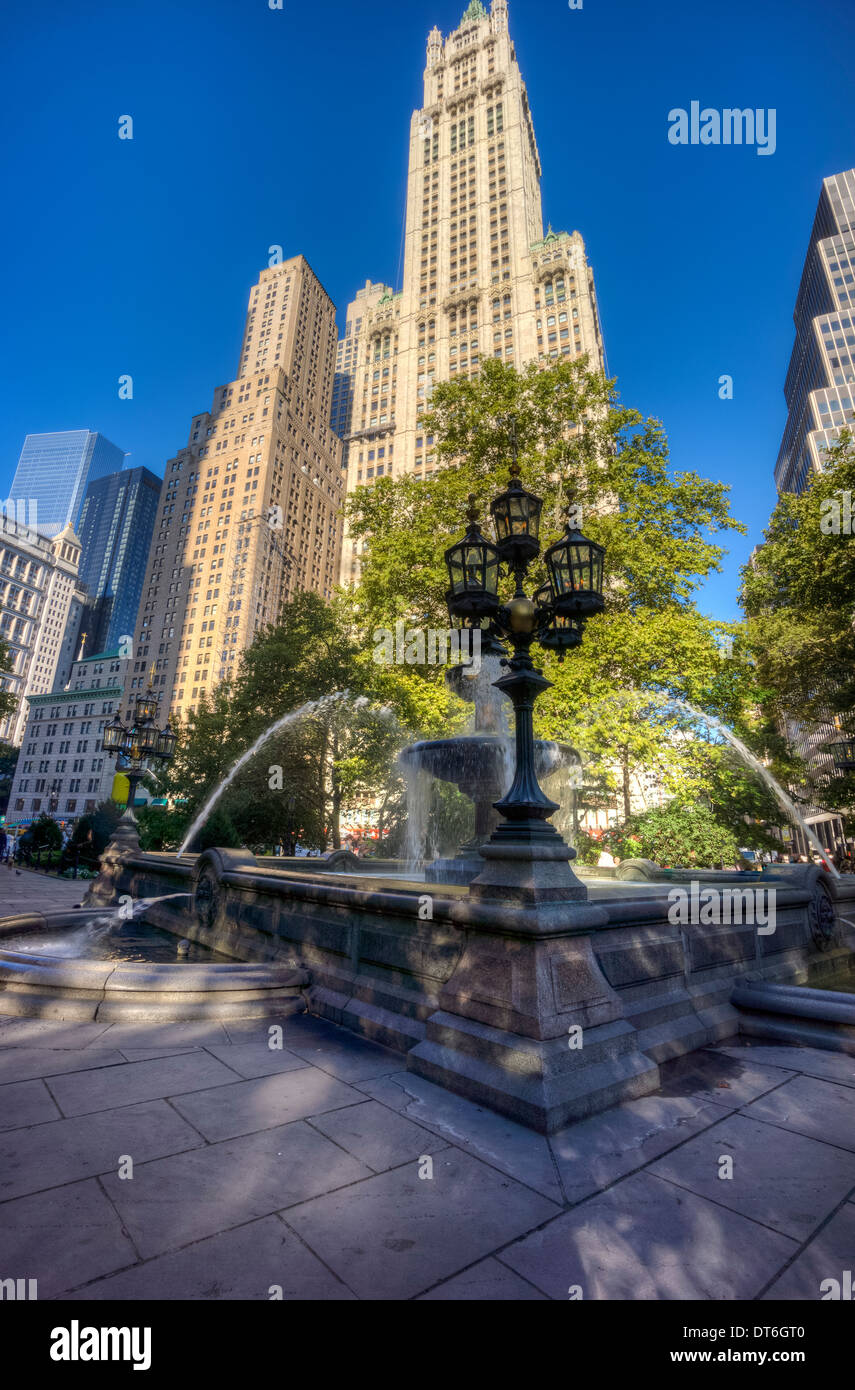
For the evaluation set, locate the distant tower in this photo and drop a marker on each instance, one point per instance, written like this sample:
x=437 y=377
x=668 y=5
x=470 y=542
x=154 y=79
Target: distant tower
x=434 y=47
x=480 y=280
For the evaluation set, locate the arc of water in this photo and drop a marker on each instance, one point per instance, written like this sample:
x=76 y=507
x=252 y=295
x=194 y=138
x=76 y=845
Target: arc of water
x=311 y=707
x=663 y=700
x=775 y=787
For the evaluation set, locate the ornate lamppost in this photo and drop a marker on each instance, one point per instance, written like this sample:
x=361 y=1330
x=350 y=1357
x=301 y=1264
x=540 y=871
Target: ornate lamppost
x=555 y=619
x=140 y=743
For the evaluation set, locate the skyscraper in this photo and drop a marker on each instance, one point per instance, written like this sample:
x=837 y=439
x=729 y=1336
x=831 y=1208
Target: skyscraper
x=249 y=510
x=116 y=525
x=481 y=279
x=53 y=473
x=38 y=587
x=820 y=395
x=820 y=384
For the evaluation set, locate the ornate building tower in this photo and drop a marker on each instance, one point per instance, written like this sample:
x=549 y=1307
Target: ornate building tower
x=480 y=277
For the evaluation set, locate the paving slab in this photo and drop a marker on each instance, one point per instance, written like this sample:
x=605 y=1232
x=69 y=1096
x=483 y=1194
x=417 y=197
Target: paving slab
x=177 y=1200
x=813 y=1061
x=257 y=1030
x=251 y=1059
x=511 y=1147
x=159 y=1035
x=25 y=1102
x=26 y=890
x=22 y=1063
x=147 y=1054
x=48 y=1032
x=720 y=1077
x=377 y=1136
x=84 y=1092
x=822 y=1110
x=64 y=1237
x=397 y=1234
x=243 y=1107
x=596 y=1152
x=785 y=1181
x=487 y=1282
x=63 y=1151
x=348 y=1058
x=827 y=1257
x=254 y=1261
x=646 y=1239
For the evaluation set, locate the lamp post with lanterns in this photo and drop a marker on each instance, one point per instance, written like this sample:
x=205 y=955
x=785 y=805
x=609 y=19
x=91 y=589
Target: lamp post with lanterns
x=139 y=743
x=554 y=618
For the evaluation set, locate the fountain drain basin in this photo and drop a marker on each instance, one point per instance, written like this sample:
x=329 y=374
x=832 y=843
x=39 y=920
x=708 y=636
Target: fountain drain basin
x=37 y=984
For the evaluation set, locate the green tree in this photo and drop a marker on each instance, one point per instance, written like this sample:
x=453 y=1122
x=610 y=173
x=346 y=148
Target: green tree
x=677 y=836
x=8 y=762
x=339 y=752
x=93 y=832
x=574 y=438
x=798 y=592
x=44 y=833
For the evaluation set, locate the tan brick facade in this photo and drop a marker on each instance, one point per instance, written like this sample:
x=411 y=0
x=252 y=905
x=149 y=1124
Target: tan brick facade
x=250 y=509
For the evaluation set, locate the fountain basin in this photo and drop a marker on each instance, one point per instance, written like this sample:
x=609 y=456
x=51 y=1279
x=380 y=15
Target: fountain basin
x=35 y=983
x=481 y=766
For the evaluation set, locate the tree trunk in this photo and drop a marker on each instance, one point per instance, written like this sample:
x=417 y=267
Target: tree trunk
x=626 y=797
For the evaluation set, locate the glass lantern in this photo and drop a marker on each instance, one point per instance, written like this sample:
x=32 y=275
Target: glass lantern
x=147 y=706
x=473 y=570
x=166 y=741
x=516 y=517
x=575 y=567
x=558 y=632
x=113 y=735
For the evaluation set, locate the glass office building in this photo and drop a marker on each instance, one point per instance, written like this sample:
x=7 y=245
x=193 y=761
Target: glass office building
x=53 y=473
x=820 y=384
x=116 y=525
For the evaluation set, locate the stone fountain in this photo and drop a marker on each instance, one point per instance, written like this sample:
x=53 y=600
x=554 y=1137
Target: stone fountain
x=523 y=988
x=479 y=764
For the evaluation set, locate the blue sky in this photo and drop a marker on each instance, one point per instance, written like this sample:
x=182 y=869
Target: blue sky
x=255 y=127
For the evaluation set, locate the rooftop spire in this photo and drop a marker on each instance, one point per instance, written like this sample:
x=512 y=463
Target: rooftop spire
x=475 y=11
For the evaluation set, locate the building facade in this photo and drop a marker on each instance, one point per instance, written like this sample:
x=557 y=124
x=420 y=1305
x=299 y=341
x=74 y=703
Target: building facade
x=53 y=473
x=820 y=395
x=62 y=769
x=116 y=526
x=39 y=589
x=249 y=511
x=481 y=279
x=820 y=383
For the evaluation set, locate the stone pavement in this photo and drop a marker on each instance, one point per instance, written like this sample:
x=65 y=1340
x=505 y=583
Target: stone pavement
x=26 y=890
x=191 y=1161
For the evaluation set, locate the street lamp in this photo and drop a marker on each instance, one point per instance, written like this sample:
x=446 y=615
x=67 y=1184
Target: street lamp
x=843 y=753
x=555 y=619
x=140 y=742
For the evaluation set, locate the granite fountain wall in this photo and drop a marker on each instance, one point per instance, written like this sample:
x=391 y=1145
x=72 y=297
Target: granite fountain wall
x=391 y=961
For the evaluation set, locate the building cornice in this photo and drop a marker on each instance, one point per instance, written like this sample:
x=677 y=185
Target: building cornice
x=56 y=696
